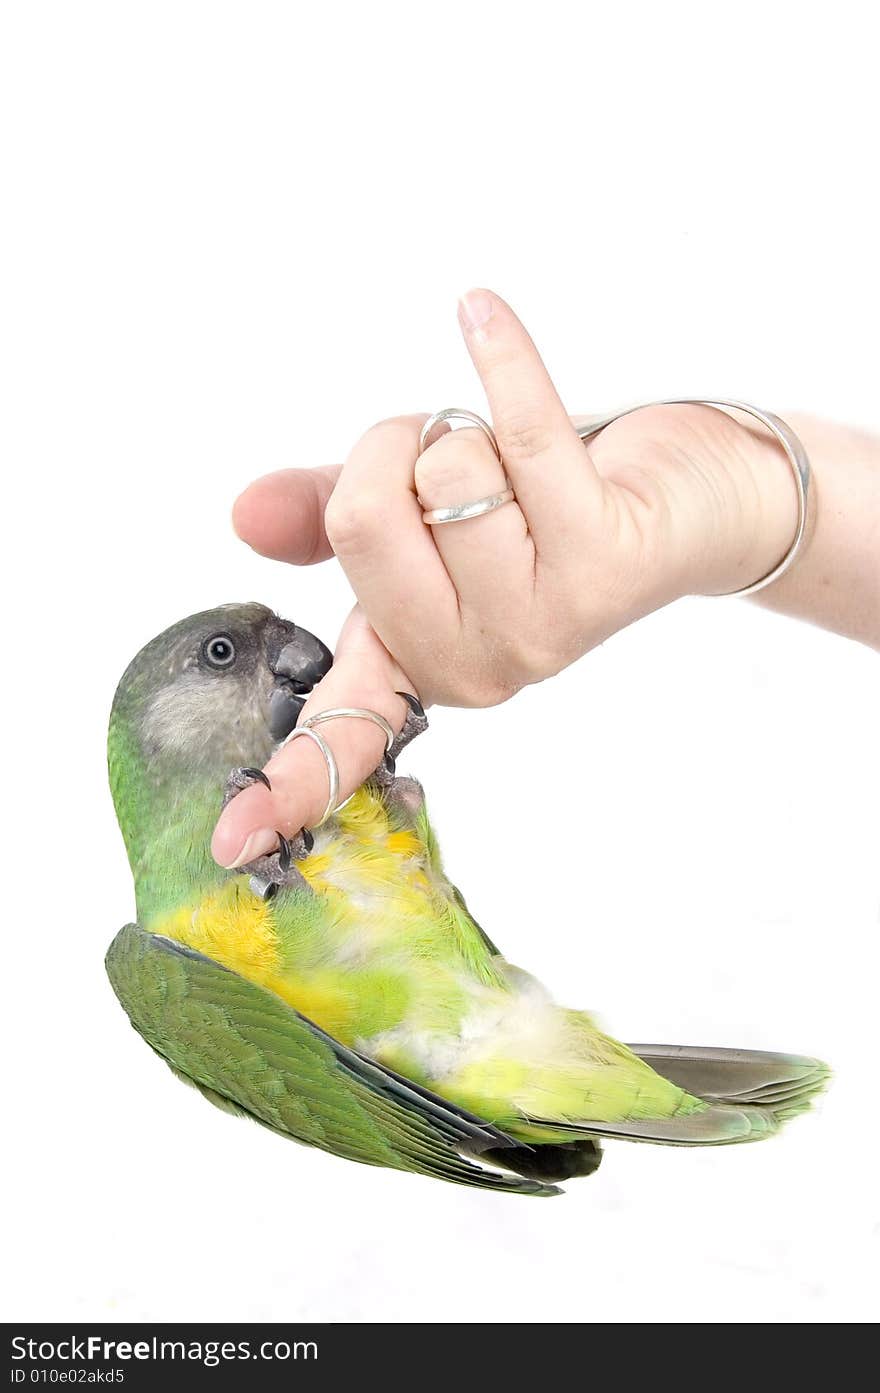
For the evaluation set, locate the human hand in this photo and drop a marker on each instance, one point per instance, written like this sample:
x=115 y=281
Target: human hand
x=667 y=501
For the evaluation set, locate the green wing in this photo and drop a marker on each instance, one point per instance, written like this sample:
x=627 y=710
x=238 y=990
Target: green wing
x=249 y=1052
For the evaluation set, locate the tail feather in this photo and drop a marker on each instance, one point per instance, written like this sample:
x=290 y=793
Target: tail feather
x=749 y=1094
x=782 y=1084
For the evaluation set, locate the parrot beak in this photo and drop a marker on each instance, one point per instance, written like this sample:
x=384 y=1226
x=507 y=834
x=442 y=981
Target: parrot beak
x=298 y=661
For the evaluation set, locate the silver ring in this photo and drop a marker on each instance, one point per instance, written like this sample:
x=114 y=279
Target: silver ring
x=794 y=453
x=359 y=713
x=457 y=413
x=329 y=760
x=460 y=512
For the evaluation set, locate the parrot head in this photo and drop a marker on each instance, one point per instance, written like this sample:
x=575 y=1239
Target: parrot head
x=218 y=690
x=221 y=688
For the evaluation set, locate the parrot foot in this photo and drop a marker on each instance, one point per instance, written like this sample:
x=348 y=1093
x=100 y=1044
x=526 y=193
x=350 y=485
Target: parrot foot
x=239 y=779
x=416 y=723
x=277 y=871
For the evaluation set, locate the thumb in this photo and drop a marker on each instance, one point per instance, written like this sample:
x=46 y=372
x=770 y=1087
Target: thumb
x=281 y=515
x=363 y=674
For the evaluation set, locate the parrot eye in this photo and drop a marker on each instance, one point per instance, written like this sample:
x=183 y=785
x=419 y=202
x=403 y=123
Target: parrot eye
x=219 y=651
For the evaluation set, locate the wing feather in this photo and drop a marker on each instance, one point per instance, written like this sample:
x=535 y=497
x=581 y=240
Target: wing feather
x=248 y=1051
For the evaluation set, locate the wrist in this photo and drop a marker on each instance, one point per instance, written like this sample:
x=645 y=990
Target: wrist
x=835 y=581
x=720 y=496
x=751 y=502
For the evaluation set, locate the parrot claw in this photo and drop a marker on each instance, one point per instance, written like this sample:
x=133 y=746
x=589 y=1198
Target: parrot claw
x=277 y=870
x=258 y=775
x=268 y=876
x=416 y=723
x=294 y=848
x=414 y=705
x=240 y=779
x=283 y=851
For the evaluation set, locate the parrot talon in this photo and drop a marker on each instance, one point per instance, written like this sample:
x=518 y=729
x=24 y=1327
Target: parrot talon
x=277 y=871
x=416 y=722
x=413 y=703
x=284 y=857
x=241 y=778
x=258 y=775
x=308 y=840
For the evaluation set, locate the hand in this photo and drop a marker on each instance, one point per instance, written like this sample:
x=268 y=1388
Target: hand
x=665 y=502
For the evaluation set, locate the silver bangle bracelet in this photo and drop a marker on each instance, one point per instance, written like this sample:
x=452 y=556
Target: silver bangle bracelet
x=794 y=453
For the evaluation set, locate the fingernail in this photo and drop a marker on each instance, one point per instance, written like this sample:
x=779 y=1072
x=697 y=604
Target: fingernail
x=475 y=309
x=259 y=843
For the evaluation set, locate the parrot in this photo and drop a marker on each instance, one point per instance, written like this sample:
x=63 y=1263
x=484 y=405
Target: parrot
x=338 y=991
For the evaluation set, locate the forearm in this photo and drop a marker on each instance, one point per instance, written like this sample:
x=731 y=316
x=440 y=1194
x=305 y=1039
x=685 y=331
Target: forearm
x=835 y=582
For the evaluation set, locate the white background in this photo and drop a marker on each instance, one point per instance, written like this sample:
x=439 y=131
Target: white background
x=234 y=236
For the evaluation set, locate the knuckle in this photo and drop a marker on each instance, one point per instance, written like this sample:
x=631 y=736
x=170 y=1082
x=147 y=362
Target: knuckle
x=391 y=425
x=525 y=436
x=449 y=464
x=540 y=653
x=350 y=520
x=530 y=663
x=496 y=680
x=496 y=690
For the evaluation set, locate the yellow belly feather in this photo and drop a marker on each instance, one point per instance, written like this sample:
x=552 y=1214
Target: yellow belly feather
x=369 y=875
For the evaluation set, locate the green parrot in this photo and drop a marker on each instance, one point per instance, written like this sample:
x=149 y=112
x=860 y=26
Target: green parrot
x=339 y=991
